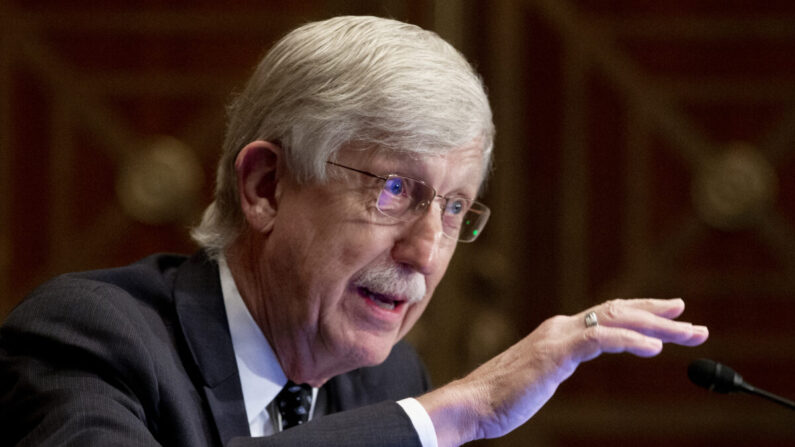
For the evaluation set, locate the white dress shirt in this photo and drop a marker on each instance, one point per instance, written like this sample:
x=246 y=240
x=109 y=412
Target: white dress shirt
x=262 y=377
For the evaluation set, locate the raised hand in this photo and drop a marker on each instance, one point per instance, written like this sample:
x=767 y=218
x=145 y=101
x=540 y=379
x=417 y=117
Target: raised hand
x=506 y=391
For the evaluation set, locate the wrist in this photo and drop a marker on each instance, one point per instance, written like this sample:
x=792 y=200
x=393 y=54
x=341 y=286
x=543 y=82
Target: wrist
x=453 y=409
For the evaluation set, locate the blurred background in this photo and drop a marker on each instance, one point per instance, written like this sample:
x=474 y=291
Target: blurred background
x=643 y=149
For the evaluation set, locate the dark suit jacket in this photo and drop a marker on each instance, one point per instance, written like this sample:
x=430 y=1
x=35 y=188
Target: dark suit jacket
x=141 y=355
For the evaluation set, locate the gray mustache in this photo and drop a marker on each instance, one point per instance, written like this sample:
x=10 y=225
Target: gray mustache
x=389 y=279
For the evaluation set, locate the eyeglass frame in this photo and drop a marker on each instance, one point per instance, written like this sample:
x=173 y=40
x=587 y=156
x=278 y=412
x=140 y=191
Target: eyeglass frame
x=484 y=210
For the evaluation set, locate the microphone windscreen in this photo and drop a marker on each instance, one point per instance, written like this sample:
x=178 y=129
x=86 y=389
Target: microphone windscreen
x=713 y=376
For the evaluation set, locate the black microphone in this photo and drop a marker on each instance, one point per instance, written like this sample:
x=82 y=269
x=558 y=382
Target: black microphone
x=720 y=378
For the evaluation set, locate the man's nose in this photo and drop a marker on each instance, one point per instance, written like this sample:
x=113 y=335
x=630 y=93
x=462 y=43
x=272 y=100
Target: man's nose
x=420 y=241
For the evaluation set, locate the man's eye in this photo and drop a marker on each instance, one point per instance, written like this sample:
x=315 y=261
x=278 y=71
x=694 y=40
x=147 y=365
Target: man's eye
x=395 y=186
x=455 y=206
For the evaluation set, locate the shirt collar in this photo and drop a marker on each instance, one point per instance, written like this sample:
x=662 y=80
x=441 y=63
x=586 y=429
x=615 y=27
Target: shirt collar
x=261 y=375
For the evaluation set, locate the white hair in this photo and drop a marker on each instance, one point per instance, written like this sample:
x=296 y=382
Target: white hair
x=367 y=81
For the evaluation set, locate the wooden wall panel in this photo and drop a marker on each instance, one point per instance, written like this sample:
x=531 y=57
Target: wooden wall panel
x=654 y=141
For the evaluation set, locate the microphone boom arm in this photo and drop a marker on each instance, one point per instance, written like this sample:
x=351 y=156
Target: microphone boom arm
x=750 y=389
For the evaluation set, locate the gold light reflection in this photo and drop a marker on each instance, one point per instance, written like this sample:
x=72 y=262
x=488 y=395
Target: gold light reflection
x=736 y=188
x=161 y=184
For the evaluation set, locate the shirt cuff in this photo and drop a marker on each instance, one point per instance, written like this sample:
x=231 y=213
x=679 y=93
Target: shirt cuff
x=421 y=421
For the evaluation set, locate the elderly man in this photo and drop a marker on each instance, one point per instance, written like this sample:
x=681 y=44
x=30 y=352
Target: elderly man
x=350 y=171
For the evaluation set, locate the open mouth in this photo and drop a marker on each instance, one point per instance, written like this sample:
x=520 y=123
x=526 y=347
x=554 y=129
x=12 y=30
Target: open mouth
x=383 y=301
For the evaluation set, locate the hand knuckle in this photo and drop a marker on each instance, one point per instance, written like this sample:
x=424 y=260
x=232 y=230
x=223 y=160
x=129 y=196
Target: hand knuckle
x=552 y=326
x=613 y=309
x=592 y=335
x=556 y=320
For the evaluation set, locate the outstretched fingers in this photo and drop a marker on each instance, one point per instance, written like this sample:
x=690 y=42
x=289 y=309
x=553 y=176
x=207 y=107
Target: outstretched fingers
x=510 y=388
x=666 y=308
x=638 y=326
x=602 y=339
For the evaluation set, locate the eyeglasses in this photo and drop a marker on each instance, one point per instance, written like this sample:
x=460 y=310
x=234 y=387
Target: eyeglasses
x=405 y=198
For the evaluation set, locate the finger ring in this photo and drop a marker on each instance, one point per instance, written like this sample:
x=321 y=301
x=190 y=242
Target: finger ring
x=591 y=320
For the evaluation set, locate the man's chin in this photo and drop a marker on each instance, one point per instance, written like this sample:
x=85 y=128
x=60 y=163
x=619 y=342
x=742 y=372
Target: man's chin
x=345 y=360
x=372 y=354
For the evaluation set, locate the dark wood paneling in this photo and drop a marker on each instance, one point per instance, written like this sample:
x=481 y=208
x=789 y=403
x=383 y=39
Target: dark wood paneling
x=634 y=99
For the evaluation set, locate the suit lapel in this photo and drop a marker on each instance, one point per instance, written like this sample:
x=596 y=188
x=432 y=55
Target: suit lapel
x=202 y=316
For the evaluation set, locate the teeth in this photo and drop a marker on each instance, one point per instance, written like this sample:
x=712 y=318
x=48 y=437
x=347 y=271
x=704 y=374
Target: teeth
x=388 y=305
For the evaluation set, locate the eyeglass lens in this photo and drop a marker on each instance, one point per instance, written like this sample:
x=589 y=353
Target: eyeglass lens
x=461 y=219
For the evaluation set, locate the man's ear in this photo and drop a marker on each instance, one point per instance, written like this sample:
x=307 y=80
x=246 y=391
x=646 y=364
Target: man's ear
x=258 y=183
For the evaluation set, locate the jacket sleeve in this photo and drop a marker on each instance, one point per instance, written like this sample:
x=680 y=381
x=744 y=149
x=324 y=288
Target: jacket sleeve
x=384 y=424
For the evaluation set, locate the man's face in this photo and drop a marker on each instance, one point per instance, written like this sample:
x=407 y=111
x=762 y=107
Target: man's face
x=332 y=260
